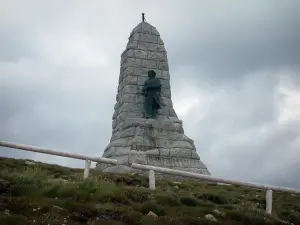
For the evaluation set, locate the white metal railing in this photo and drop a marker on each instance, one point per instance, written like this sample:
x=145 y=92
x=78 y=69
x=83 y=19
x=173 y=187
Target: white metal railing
x=269 y=188
x=87 y=159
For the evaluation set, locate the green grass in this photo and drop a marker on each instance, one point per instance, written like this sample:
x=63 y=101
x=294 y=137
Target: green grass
x=51 y=194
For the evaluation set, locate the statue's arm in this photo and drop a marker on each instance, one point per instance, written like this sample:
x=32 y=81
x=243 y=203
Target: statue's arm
x=144 y=90
x=157 y=84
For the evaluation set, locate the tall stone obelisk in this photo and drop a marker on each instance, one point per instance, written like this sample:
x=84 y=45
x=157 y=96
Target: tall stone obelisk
x=161 y=141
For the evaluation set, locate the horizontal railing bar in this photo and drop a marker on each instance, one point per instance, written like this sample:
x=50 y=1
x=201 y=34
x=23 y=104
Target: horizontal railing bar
x=215 y=179
x=57 y=153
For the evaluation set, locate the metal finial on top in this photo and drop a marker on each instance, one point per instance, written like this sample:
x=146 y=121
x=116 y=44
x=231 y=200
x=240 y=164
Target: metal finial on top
x=143 y=17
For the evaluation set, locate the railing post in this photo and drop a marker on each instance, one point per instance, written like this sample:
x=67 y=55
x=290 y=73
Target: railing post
x=87 y=169
x=269 y=202
x=151 y=179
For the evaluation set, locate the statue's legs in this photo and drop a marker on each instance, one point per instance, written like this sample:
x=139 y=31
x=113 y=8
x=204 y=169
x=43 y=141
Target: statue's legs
x=154 y=110
x=148 y=108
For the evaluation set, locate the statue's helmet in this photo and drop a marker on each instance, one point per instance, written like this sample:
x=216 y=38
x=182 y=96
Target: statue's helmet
x=151 y=73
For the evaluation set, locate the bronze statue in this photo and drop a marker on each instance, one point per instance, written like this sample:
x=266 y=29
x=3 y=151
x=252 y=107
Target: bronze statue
x=151 y=90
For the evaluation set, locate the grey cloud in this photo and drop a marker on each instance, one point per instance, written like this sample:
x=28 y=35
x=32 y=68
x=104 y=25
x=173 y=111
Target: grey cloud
x=243 y=40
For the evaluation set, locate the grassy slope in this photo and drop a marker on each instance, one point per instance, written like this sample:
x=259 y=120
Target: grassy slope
x=51 y=194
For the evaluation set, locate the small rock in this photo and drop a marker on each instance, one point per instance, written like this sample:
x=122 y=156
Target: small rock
x=210 y=218
x=176 y=182
x=57 y=207
x=152 y=214
x=176 y=187
x=218 y=213
x=29 y=163
x=219 y=183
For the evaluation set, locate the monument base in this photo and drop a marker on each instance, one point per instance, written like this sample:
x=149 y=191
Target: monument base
x=152 y=142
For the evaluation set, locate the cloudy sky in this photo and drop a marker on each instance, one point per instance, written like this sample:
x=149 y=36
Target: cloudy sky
x=235 y=77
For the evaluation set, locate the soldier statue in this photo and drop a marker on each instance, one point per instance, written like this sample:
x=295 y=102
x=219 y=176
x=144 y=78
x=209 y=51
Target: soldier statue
x=151 y=91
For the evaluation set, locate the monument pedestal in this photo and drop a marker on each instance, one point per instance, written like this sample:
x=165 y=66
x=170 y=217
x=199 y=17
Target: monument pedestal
x=157 y=142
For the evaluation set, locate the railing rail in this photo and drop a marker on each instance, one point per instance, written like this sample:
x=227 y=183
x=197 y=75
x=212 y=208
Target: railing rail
x=214 y=179
x=88 y=159
x=152 y=169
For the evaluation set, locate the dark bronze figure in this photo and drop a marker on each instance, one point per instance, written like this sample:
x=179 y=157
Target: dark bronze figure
x=152 y=89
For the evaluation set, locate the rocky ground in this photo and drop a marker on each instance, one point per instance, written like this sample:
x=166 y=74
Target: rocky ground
x=37 y=193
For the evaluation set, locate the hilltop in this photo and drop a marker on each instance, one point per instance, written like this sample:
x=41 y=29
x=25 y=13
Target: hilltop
x=38 y=193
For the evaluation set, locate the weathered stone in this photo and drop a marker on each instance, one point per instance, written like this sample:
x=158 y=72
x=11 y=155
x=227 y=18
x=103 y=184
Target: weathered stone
x=148 y=38
x=162 y=66
x=159 y=141
x=152 y=214
x=135 y=37
x=141 y=54
x=132 y=45
x=165 y=84
x=134 y=62
x=150 y=64
x=160 y=41
x=210 y=217
x=160 y=56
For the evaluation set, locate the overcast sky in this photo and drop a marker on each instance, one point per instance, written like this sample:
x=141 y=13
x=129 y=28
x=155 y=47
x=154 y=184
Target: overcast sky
x=235 y=78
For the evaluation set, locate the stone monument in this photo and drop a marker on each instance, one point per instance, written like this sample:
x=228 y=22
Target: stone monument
x=146 y=129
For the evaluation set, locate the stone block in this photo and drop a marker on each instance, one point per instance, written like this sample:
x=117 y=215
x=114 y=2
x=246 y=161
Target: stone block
x=164 y=152
x=165 y=84
x=148 y=38
x=128 y=71
x=159 y=56
x=115 y=136
x=137 y=157
x=133 y=62
x=148 y=46
x=163 y=111
x=140 y=99
x=173 y=113
x=141 y=72
x=162 y=65
x=154 y=152
x=141 y=81
x=160 y=41
x=116 y=112
x=135 y=37
x=114 y=123
x=122 y=142
x=166 y=101
x=130 y=80
x=182 y=144
x=161 y=48
x=150 y=64
x=166 y=93
x=154 y=31
x=180 y=153
x=140 y=54
x=131 y=89
x=129 y=98
x=128 y=52
x=139 y=131
x=130 y=132
x=146 y=28
x=166 y=75
x=195 y=155
x=132 y=45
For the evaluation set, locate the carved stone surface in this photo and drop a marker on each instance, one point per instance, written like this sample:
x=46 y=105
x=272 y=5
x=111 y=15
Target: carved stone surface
x=161 y=141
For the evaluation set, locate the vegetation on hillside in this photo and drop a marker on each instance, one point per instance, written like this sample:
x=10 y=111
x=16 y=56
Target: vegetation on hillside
x=38 y=193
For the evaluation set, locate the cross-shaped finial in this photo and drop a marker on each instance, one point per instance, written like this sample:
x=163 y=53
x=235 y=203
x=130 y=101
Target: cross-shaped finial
x=143 y=17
